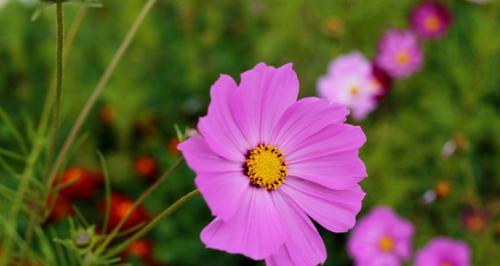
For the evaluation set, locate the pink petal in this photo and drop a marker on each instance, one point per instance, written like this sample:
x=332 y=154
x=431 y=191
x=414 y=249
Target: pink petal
x=304 y=245
x=335 y=210
x=202 y=159
x=256 y=230
x=223 y=193
x=304 y=119
x=262 y=97
x=281 y=258
x=383 y=260
x=333 y=139
x=336 y=171
x=218 y=127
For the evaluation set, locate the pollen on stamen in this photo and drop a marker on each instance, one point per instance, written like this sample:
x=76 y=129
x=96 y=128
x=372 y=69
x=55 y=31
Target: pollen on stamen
x=266 y=167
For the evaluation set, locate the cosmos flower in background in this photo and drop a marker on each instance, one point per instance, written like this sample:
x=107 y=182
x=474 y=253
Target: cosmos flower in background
x=430 y=20
x=381 y=238
x=79 y=182
x=265 y=162
x=120 y=205
x=442 y=251
x=399 y=53
x=350 y=81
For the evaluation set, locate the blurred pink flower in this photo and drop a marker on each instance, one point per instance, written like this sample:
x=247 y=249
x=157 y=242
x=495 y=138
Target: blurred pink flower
x=265 y=163
x=430 y=20
x=399 y=53
x=442 y=251
x=381 y=238
x=349 y=81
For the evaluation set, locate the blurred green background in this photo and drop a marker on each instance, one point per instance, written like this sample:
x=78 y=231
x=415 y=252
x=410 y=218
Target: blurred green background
x=182 y=47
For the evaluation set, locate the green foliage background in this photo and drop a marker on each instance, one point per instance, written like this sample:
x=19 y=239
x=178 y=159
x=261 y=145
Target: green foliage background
x=184 y=45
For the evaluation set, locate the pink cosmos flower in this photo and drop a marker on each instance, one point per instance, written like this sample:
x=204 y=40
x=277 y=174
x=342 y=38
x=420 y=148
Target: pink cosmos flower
x=381 y=238
x=442 y=251
x=267 y=163
x=399 y=53
x=349 y=81
x=430 y=20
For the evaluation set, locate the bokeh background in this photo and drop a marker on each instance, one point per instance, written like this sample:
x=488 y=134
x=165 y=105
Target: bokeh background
x=433 y=150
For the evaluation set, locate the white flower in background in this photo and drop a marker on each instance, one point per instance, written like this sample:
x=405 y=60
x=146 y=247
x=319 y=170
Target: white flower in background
x=3 y=3
x=479 y=1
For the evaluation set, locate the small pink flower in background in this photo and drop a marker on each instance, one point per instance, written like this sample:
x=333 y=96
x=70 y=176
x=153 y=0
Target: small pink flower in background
x=399 y=53
x=381 y=238
x=267 y=163
x=442 y=251
x=430 y=20
x=349 y=81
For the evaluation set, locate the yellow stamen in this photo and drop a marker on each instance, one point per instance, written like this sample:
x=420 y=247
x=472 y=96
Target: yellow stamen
x=266 y=167
x=432 y=23
x=386 y=244
x=446 y=263
x=353 y=90
x=402 y=58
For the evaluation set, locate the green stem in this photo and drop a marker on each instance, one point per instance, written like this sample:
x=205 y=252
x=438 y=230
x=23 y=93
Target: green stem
x=68 y=43
x=98 y=90
x=164 y=214
x=59 y=73
x=136 y=204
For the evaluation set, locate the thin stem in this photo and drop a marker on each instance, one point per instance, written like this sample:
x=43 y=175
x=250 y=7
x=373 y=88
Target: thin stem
x=98 y=90
x=68 y=43
x=164 y=214
x=136 y=204
x=59 y=72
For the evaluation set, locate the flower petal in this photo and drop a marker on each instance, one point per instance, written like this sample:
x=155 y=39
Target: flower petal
x=333 y=139
x=223 y=193
x=335 y=210
x=303 y=119
x=218 y=127
x=202 y=159
x=263 y=95
x=335 y=171
x=304 y=245
x=256 y=230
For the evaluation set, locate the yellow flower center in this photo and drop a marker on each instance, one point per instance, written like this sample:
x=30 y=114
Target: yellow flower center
x=432 y=23
x=266 y=167
x=446 y=263
x=402 y=58
x=386 y=244
x=353 y=90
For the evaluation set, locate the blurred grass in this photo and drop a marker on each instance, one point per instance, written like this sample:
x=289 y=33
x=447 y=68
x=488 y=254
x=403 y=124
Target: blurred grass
x=183 y=46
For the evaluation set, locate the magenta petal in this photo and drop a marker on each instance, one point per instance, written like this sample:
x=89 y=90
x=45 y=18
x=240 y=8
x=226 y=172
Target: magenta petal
x=387 y=260
x=202 y=159
x=333 y=139
x=218 y=127
x=281 y=258
x=263 y=95
x=304 y=245
x=304 y=119
x=256 y=230
x=335 y=210
x=336 y=171
x=223 y=192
